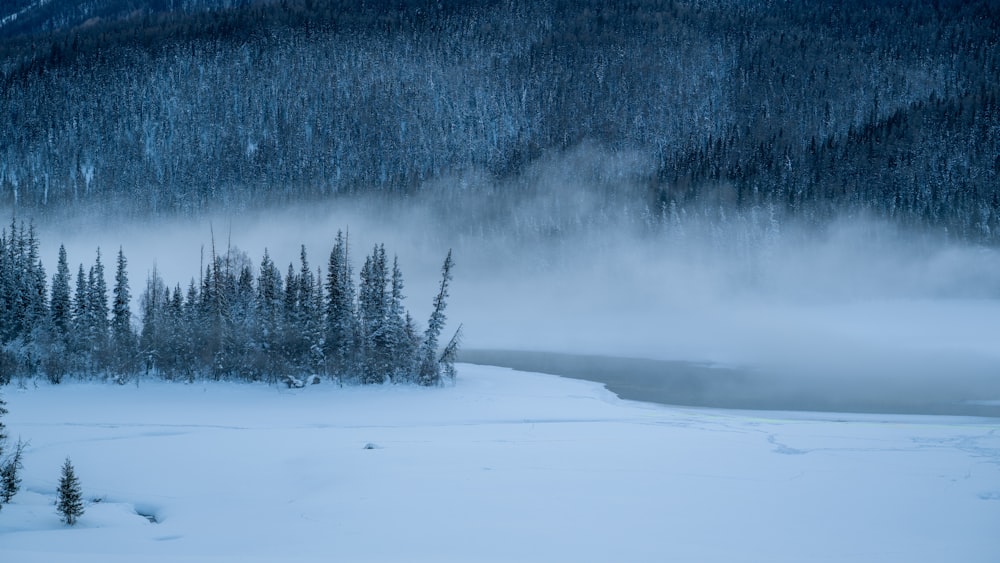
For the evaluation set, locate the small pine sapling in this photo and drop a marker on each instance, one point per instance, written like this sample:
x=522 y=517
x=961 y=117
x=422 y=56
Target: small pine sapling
x=70 y=504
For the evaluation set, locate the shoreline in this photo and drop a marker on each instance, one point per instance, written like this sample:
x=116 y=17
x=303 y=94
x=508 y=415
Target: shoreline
x=696 y=384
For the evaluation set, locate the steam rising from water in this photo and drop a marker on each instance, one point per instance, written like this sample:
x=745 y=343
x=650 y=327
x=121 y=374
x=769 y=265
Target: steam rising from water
x=559 y=259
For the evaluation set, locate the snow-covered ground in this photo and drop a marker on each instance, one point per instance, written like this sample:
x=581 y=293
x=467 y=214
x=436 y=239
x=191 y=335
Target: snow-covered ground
x=504 y=466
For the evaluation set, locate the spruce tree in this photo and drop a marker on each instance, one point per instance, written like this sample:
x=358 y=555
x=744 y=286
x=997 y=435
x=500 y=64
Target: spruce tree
x=152 y=304
x=430 y=369
x=36 y=306
x=340 y=311
x=122 y=336
x=307 y=319
x=372 y=306
x=3 y=446
x=174 y=335
x=290 y=334
x=97 y=311
x=60 y=305
x=450 y=354
x=80 y=343
x=398 y=346
x=268 y=312
x=121 y=314
x=10 y=474
x=70 y=504
x=3 y=428
x=6 y=288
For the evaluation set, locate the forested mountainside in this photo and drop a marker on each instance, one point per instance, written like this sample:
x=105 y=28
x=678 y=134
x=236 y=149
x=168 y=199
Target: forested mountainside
x=20 y=18
x=807 y=109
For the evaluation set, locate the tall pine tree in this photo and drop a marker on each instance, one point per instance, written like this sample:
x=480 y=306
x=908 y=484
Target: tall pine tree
x=340 y=311
x=60 y=304
x=123 y=340
x=429 y=372
x=97 y=312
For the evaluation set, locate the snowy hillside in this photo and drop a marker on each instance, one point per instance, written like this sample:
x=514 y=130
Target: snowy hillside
x=503 y=466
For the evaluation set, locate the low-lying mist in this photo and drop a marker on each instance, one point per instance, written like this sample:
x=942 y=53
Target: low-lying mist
x=562 y=259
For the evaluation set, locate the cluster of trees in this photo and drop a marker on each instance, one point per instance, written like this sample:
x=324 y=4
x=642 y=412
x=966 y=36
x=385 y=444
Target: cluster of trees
x=70 y=503
x=809 y=110
x=60 y=332
x=236 y=321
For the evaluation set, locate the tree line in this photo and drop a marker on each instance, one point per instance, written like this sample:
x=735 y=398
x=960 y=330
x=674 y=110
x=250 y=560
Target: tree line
x=236 y=322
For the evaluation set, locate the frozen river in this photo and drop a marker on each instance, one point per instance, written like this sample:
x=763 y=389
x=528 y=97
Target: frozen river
x=707 y=385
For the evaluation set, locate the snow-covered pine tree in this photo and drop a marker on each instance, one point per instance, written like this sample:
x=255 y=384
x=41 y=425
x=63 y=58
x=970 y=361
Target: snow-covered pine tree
x=241 y=319
x=123 y=340
x=3 y=442
x=81 y=350
x=11 y=296
x=399 y=348
x=6 y=288
x=290 y=334
x=450 y=354
x=60 y=305
x=97 y=311
x=3 y=427
x=172 y=334
x=340 y=311
x=317 y=332
x=36 y=306
x=70 y=504
x=309 y=355
x=429 y=372
x=191 y=320
x=10 y=473
x=152 y=303
x=372 y=306
x=268 y=307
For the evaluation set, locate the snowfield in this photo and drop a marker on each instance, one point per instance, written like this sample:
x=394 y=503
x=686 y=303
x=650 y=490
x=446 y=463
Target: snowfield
x=503 y=466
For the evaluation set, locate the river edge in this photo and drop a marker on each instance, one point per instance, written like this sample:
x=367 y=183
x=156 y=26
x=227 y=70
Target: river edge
x=697 y=384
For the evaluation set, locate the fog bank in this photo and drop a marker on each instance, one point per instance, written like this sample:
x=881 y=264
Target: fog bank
x=561 y=259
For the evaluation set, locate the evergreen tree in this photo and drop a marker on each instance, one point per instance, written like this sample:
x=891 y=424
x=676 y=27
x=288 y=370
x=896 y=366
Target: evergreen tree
x=307 y=319
x=70 y=504
x=81 y=302
x=60 y=305
x=399 y=347
x=430 y=369
x=121 y=314
x=241 y=322
x=97 y=312
x=7 y=271
x=81 y=345
x=3 y=428
x=450 y=354
x=10 y=474
x=269 y=314
x=340 y=312
x=290 y=334
x=174 y=334
x=152 y=305
x=34 y=290
x=189 y=360
x=372 y=307
x=123 y=342
x=7 y=466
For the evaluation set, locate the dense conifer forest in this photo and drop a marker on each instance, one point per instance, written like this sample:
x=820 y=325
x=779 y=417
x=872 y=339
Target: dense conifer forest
x=237 y=322
x=810 y=110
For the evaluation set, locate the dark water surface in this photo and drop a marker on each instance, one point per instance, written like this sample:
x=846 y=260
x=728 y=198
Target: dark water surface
x=704 y=385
